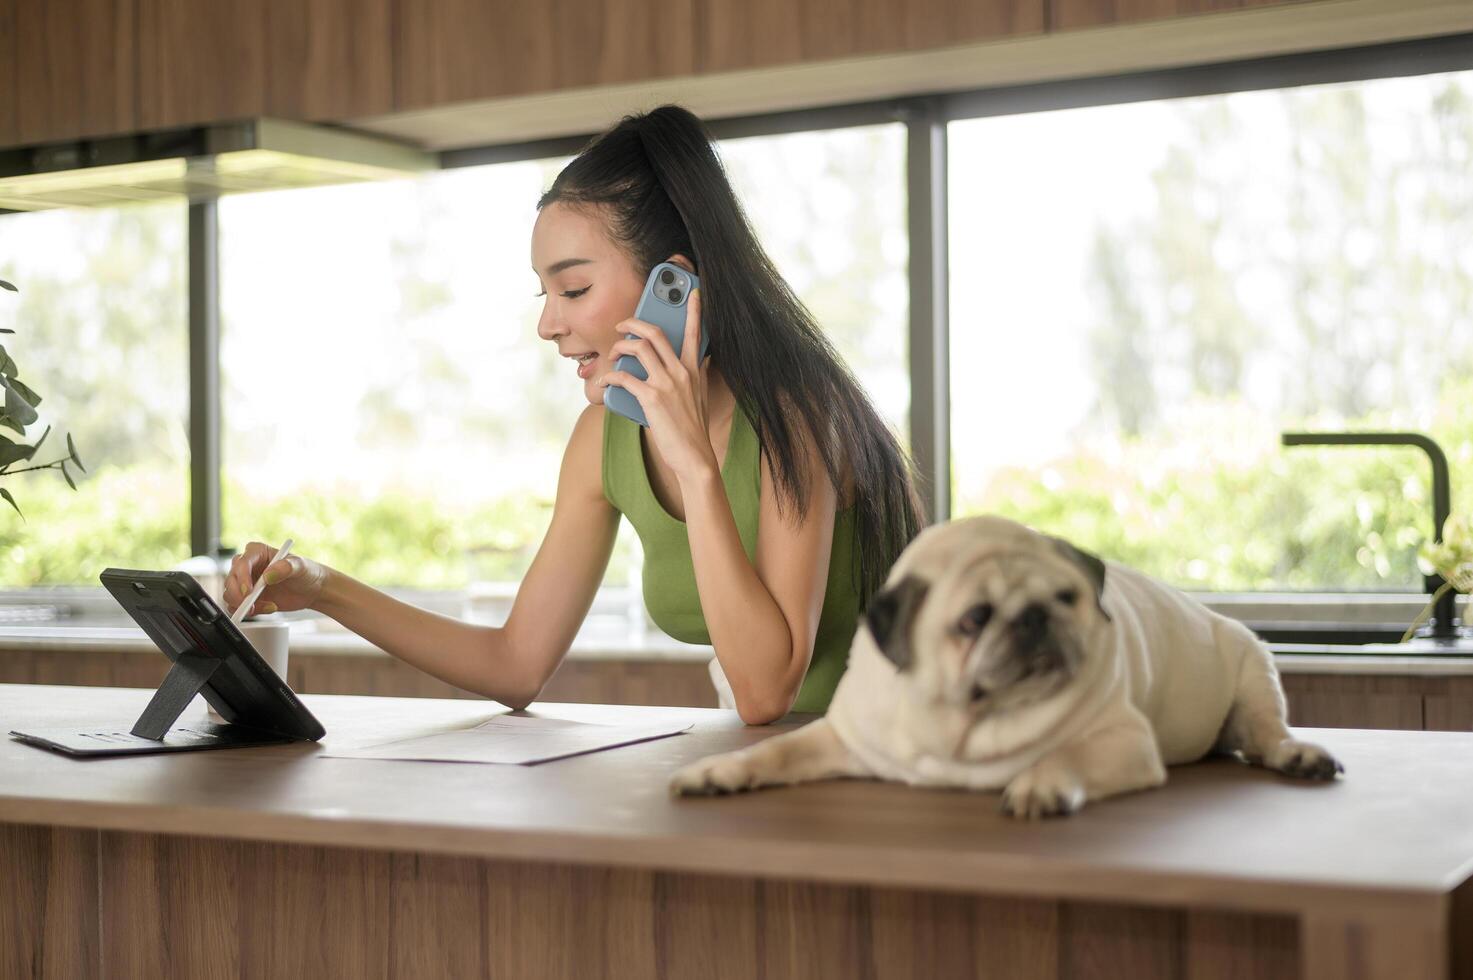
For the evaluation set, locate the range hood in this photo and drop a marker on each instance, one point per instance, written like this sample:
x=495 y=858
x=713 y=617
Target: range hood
x=198 y=163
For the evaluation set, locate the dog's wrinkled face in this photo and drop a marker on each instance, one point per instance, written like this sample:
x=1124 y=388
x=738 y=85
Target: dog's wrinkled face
x=994 y=627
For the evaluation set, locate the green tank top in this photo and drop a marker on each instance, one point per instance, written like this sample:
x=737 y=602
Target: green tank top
x=669 y=575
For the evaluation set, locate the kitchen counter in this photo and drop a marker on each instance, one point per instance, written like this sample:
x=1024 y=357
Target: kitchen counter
x=179 y=865
x=307 y=640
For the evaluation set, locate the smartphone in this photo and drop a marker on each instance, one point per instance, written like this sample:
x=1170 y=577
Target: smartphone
x=662 y=303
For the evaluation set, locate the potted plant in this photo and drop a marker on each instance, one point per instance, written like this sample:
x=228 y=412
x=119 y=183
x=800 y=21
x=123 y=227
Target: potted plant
x=1452 y=558
x=19 y=411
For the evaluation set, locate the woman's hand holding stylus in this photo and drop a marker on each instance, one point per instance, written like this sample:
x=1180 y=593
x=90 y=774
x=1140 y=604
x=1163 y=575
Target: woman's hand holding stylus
x=294 y=582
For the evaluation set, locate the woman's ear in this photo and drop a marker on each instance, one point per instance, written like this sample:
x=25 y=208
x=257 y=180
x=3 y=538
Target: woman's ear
x=682 y=261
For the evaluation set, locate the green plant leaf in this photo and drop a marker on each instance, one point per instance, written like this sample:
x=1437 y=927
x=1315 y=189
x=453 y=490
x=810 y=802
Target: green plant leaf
x=37 y=447
x=6 y=494
x=6 y=330
x=7 y=366
x=16 y=406
x=26 y=392
x=11 y=287
x=14 y=452
x=69 y=481
x=11 y=423
x=71 y=448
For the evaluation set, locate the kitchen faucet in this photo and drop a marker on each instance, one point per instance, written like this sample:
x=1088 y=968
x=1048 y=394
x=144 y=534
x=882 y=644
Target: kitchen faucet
x=1444 y=624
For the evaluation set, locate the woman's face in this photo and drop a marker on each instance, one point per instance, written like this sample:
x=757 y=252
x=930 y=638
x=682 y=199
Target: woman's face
x=591 y=286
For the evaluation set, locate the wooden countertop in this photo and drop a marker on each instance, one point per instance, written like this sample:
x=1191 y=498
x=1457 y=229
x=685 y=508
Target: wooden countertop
x=1395 y=833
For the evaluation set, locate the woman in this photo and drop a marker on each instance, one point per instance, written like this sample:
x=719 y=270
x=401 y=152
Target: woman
x=770 y=498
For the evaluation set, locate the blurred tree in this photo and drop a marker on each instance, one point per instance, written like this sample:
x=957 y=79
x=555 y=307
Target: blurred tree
x=103 y=310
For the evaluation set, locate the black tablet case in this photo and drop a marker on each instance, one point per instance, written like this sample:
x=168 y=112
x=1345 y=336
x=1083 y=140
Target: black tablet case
x=211 y=657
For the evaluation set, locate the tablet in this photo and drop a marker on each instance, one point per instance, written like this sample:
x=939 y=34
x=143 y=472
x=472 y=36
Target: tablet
x=210 y=657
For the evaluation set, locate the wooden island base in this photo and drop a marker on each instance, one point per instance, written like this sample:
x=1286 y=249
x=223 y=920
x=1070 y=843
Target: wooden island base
x=271 y=862
x=157 y=906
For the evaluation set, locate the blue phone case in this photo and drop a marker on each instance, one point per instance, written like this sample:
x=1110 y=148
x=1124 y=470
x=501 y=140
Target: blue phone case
x=657 y=305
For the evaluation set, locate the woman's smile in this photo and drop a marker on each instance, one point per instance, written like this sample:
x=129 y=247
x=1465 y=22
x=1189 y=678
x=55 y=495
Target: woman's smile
x=587 y=361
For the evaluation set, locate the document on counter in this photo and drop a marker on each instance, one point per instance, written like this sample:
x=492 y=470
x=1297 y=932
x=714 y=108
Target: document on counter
x=513 y=740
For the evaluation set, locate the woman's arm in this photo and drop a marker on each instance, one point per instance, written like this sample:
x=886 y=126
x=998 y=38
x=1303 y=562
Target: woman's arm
x=509 y=664
x=763 y=620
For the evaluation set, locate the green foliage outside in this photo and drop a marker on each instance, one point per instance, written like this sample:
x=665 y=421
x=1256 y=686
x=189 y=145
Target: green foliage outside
x=1344 y=264
x=1302 y=518
x=137 y=517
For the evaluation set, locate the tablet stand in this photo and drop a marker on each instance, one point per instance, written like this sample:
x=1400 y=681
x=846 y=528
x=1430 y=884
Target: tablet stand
x=189 y=673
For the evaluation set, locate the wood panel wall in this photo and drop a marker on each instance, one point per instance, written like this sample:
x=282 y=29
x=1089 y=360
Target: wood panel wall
x=163 y=906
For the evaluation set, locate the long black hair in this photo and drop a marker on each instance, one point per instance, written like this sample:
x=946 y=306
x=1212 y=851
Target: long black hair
x=666 y=193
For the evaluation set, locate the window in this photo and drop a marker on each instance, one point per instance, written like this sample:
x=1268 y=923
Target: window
x=101 y=335
x=1145 y=296
x=386 y=400
x=829 y=208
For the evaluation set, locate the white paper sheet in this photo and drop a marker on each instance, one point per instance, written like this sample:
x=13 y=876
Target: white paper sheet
x=511 y=739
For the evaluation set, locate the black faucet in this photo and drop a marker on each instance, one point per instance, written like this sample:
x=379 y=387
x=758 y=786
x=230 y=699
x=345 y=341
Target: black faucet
x=1443 y=625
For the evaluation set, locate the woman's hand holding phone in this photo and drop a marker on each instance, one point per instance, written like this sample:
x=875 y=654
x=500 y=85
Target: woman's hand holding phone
x=294 y=582
x=674 y=396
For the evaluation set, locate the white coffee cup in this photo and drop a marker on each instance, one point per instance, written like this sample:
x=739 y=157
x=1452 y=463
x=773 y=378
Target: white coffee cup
x=270 y=638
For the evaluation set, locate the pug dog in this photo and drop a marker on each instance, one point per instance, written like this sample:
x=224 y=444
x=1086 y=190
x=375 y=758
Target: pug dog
x=999 y=658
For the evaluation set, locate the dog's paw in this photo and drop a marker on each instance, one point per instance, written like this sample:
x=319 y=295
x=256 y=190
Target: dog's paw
x=1043 y=791
x=1304 y=760
x=730 y=772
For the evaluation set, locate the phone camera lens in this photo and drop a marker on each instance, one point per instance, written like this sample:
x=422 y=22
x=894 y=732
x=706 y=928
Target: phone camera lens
x=666 y=276
x=674 y=296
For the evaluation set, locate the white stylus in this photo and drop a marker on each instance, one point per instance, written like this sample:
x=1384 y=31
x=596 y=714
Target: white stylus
x=250 y=600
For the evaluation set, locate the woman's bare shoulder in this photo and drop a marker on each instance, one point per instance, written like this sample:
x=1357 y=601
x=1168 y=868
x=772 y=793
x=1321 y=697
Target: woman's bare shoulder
x=583 y=457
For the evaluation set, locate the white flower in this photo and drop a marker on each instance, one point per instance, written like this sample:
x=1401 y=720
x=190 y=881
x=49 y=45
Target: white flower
x=1452 y=558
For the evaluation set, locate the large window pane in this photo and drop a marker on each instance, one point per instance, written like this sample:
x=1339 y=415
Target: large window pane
x=1144 y=296
x=101 y=336
x=387 y=401
x=829 y=207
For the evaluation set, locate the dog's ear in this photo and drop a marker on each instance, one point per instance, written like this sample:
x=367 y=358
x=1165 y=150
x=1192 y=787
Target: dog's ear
x=889 y=615
x=1092 y=566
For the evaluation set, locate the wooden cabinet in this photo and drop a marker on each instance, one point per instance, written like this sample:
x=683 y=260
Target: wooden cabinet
x=329 y=59
x=457 y=50
x=737 y=34
x=296 y=59
x=200 y=62
x=1065 y=15
x=74 y=68
x=9 y=94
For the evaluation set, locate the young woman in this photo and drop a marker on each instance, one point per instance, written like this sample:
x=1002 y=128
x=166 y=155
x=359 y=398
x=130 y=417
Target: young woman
x=768 y=495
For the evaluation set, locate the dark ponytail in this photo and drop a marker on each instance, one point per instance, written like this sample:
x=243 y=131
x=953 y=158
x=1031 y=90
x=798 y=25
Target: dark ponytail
x=666 y=191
